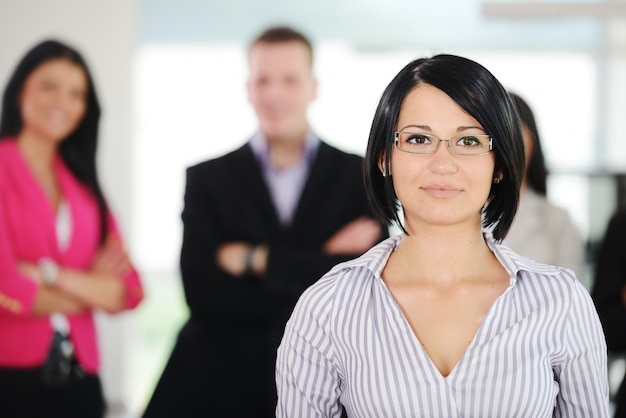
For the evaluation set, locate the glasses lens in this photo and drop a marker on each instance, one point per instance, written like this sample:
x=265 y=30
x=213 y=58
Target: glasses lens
x=417 y=143
x=470 y=145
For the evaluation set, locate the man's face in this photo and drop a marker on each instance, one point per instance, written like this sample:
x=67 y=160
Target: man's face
x=280 y=88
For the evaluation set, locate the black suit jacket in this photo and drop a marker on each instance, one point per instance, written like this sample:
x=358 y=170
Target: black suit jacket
x=609 y=281
x=610 y=278
x=223 y=362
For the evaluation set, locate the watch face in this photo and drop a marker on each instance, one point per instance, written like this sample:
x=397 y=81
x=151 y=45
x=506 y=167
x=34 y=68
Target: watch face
x=49 y=271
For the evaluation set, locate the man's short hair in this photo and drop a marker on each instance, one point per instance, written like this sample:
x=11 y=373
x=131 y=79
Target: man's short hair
x=282 y=34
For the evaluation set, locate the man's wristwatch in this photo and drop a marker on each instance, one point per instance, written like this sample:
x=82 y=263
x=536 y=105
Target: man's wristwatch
x=49 y=271
x=247 y=263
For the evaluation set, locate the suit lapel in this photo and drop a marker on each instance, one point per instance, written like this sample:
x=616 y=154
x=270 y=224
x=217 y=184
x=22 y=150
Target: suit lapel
x=249 y=175
x=319 y=176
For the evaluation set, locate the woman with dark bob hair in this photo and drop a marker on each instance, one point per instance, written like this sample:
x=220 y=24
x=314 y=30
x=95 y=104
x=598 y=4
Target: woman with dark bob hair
x=443 y=320
x=61 y=254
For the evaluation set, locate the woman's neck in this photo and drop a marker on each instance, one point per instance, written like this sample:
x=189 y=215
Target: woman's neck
x=444 y=254
x=38 y=152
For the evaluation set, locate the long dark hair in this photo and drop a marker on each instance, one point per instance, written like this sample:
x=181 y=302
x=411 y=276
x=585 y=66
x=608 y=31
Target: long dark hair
x=536 y=172
x=482 y=96
x=78 y=150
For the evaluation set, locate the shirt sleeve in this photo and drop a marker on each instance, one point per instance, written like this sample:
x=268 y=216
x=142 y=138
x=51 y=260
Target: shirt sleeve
x=582 y=374
x=307 y=378
x=17 y=291
x=133 y=290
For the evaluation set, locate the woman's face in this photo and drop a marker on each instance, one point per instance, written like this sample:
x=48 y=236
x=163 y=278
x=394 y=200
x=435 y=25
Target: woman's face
x=440 y=188
x=53 y=100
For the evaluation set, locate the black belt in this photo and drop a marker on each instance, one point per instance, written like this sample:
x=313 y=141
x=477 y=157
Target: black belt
x=60 y=369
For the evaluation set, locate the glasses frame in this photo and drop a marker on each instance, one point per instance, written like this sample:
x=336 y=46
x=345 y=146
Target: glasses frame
x=439 y=141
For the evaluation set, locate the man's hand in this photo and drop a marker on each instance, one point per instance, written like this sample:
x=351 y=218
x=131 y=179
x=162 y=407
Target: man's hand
x=354 y=238
x=231 y=257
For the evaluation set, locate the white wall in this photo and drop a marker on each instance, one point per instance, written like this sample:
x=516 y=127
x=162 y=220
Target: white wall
x=105 y=32
x=615 y=105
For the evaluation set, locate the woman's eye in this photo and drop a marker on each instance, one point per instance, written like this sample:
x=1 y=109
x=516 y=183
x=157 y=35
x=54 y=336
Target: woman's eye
x=469 y=141
x=419 y=139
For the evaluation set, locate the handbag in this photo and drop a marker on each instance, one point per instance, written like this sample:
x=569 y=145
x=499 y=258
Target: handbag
x=61 y=365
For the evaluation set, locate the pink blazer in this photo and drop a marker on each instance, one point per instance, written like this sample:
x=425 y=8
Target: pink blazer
x=28 y=233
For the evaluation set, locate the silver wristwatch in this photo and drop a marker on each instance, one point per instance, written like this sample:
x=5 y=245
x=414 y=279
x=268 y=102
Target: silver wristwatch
x=49 y=271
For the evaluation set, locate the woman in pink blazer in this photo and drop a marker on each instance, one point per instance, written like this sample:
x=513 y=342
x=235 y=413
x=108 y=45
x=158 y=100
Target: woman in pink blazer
x=61 y=255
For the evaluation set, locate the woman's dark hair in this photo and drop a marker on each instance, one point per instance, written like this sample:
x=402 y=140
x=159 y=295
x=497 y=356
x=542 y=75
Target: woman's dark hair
x=78 y=150
x=482 y=96
x=536 y=171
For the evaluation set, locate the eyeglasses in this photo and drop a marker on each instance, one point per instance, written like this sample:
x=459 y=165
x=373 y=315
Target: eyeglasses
x=466 y=145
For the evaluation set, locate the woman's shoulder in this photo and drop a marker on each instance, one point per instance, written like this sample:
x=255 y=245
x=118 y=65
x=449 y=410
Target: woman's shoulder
x=518 y=265
x=348 y=281
x=8 y=160
x=542 y=285
x=373 y=259
x=8 y=146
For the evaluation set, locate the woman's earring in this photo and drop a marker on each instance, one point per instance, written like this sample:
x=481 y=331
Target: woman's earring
x=496 y=180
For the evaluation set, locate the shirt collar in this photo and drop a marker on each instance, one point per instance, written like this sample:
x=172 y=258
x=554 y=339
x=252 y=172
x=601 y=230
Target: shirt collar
x=515 y=263
x=376 y=258
x=260 y=147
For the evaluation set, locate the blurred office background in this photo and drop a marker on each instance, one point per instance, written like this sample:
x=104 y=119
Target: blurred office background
x=171 y=78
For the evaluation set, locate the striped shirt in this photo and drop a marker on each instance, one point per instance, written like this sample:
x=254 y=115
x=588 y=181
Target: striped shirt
x=539 y=352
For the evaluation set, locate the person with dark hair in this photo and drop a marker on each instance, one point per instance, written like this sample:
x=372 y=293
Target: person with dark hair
x=261 y=224
x=444 y=320
x=541 y=230
x=61 y=254
x=609 y=294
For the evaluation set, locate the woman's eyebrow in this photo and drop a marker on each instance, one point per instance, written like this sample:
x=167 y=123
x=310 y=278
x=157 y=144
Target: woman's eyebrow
x=465 y=128
x=424 y=127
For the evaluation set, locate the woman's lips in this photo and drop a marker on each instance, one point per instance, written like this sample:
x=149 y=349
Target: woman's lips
x=442 y=191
